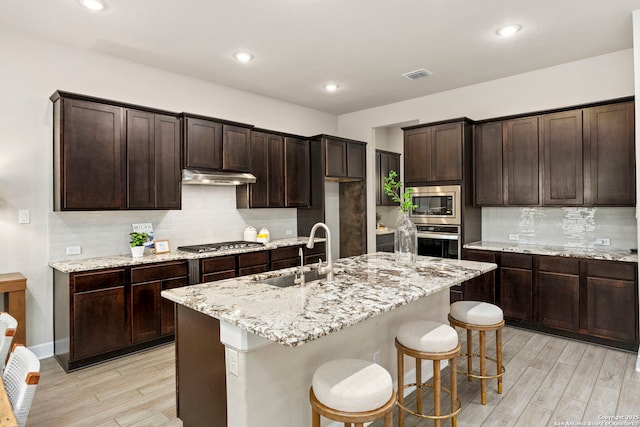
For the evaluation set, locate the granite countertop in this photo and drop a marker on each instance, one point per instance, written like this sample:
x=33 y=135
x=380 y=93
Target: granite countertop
x=86 y=264
x=364 y=286
x=623 y=255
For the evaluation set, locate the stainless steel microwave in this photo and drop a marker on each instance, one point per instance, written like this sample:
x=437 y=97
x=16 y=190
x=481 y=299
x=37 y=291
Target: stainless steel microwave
x=436 y=205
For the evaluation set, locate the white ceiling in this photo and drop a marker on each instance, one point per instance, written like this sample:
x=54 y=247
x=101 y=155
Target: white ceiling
x=363 y=45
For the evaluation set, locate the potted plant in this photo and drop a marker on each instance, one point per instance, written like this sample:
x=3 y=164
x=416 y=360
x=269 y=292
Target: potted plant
x=405 y=245
x=137 y=243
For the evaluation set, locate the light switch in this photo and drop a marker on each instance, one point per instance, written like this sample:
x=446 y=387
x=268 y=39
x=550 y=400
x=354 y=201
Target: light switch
x=24 y=217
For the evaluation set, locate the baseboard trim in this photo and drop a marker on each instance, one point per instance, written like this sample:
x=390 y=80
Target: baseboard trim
x=43 y=351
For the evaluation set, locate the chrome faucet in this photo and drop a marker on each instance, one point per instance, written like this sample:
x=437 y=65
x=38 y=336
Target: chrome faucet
x=299 y=276
x=328 y=267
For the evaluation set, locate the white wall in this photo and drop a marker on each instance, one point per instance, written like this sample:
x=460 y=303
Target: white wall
x=31 y=71
x=590 y=80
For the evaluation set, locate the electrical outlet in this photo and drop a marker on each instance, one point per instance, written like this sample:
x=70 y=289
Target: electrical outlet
x=376 y=357
x=232 y=361
x=288 y=232
x=515 y=237
x=74 y=250
x=24 y=217
x=603 y=242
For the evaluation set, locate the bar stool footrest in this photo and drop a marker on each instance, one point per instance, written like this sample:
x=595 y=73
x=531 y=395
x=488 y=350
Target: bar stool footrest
x=402 y=407
x=482 y=377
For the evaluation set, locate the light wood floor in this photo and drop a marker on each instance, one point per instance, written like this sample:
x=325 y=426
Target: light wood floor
x=548 y=380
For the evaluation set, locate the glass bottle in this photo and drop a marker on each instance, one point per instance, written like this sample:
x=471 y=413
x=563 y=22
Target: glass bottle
x=405 y=241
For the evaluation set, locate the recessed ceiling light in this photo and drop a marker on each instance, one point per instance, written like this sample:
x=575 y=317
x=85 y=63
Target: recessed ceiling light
x=243 y=56
x=331 y=87
x=508 y=30
x=95 y=5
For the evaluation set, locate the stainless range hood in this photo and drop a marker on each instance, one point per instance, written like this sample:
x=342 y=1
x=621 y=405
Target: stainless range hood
x=190 y=176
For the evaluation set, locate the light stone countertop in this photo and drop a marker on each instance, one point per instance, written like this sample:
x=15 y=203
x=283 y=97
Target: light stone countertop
x=364 y=286
x=86 y=264
x=386 y=230
x=623 y=255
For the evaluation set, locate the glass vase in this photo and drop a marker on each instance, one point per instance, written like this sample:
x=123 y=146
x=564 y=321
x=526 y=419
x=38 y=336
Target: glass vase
x=405 y=241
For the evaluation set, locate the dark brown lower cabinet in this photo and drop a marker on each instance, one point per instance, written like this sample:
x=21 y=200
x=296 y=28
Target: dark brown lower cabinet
x=145 y=311
x=99 y=322
x=559 y=293
x=285 y=257
x=481 y=288
x=592 y=300
x=217 y=268
x=516 y=286
x=612 y=300
x=253 y=263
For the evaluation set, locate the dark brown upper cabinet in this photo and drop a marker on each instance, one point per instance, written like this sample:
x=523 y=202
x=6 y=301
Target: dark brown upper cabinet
x=267 y=164
x=344 y=159
x=296 y=176
x=575 y=157
x=562 y=174
x=610 y=144
x=434 y=153
x=153 y=160
x=386 y=161
x=521 y=157
x=487 y=164
x=89 y=155
x=111 y=155
x=217 y=146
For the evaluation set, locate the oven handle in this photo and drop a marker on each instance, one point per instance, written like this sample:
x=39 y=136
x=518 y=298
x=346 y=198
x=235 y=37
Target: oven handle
x=427 y=235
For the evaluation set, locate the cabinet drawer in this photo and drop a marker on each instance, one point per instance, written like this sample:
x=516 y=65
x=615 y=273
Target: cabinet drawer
x=612 y=270
x=254 y=258
x=212 y=277
x=318 y=248
x=482 y=256
x=252 y=270
x=175 y=283
x=214 y=265
x=85 y=282
x=516 y=261
x=159 y=272
x=284 y=263
x=559 y=265
x=284 y=253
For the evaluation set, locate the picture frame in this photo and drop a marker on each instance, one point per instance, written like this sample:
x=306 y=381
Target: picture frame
x=161 y=246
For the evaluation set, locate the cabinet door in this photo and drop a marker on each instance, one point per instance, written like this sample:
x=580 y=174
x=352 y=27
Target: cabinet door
x=236 y=143
x=522 y=161
x=562 y=177
x=417 y=166
x=516 y=286
x=92 y=157
x=99 y=322
x=203 y=144
x=297 y=184
x=335 y=158
x=356 y=160
x=141 y=178
x=276 y=172
x=610 y=138
x=446 y=152
x=480 y=288
x=168 y=187
x=167 y=314
x=385 y=162
x=559 y=293
x=258 y=192
x=487 y=164
x=145 y=311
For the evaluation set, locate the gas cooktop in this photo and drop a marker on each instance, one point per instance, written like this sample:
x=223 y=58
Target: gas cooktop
x=222 y=246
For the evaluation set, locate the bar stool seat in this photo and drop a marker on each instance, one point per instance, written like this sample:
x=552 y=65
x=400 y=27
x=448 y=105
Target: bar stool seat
x=482 y=317
x=352 y=391
x=428 y=340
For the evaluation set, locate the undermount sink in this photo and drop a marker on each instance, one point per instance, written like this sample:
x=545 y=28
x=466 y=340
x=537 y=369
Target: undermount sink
x=286 y=281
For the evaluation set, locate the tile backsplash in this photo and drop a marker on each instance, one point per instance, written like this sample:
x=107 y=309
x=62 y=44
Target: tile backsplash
x=208 y=214
x=569 y=226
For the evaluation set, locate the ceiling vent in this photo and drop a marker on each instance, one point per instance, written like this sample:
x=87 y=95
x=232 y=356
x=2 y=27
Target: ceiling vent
x=417 y=74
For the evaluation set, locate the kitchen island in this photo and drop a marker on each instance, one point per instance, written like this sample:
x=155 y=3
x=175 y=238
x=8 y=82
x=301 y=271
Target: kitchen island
x=246 y=351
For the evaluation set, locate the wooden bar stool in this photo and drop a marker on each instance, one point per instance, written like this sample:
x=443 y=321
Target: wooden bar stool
x=481 y=317
x=352 y=391
x=427 y=340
